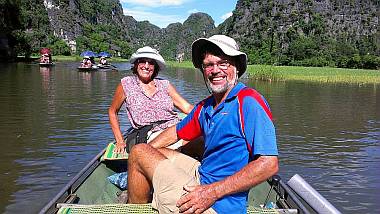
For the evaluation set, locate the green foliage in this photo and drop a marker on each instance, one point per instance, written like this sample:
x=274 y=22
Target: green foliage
x=103 y=37
x=125 y=50
x=370 y=62
x=21 y=45
x=58 y=46
x=302 y=48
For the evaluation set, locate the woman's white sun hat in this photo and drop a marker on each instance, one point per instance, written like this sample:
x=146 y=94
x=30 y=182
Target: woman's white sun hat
x=148 y=52
x=226 y=44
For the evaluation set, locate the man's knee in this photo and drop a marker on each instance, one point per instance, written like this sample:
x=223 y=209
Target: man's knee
x=139 y=149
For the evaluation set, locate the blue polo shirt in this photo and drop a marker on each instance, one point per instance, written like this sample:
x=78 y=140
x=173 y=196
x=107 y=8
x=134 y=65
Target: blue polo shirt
x=225 y=145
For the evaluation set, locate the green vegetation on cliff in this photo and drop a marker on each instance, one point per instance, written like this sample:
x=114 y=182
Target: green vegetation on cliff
x=307 y=33
x=319 y=33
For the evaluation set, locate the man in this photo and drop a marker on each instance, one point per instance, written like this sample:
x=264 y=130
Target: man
x=240 y=143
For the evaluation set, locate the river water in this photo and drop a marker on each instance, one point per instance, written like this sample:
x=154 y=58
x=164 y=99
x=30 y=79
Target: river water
x=53 y=121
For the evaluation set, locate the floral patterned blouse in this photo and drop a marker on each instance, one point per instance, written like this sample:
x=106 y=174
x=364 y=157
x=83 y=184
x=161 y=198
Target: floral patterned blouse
x=143 y=109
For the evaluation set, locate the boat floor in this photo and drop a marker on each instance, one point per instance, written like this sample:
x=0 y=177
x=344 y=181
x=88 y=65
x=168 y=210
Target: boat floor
x=97 y=195
x=134 y=208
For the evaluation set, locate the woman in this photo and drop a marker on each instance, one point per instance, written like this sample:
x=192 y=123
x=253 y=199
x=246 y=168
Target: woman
x=148 y=99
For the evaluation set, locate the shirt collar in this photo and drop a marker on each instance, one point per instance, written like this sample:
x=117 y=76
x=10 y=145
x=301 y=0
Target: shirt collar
x=231 y=95
x=235 y=90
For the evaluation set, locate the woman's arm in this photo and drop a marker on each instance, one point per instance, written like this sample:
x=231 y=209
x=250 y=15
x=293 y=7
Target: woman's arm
x=113 y=111
x=179 y=101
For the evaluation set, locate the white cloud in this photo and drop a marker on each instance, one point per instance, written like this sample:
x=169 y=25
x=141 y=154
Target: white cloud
x=154 y=3
x=226 y=16
x=193 y=11
x=160 y=20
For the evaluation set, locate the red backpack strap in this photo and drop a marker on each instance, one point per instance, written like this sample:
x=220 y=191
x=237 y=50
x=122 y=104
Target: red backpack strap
x=254 y=94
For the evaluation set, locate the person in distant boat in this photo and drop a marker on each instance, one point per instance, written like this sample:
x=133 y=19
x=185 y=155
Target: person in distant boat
x=45 y=56
x=103 y=61
x=147 y=98
x=240 y=142
x=87 y=62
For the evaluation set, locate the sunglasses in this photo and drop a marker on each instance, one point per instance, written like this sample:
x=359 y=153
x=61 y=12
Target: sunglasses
x=144 y=61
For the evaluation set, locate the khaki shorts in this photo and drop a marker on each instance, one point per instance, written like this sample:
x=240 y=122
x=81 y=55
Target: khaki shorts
x=168 y=180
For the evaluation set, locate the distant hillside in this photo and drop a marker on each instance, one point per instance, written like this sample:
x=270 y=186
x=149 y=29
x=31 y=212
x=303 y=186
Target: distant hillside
x=306 y=32
x=284 y=32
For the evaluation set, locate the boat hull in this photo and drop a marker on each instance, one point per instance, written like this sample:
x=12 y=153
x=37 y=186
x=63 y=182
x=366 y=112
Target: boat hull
x=46 y=64
x=91 y=187
x=84 y=69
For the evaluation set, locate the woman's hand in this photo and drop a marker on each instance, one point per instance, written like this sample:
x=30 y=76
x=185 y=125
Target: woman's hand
x=120 y=147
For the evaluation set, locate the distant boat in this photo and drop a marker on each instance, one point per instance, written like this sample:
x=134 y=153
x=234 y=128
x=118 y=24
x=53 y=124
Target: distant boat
x=88 y=69
x=42 y=64
x=107 y=67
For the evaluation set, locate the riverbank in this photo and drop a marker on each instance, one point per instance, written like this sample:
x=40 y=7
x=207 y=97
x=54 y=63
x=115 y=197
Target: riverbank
x=310 y=74
x=283 y=73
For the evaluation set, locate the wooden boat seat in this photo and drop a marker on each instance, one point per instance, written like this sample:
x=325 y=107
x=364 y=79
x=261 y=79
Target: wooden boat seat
x=133 y=208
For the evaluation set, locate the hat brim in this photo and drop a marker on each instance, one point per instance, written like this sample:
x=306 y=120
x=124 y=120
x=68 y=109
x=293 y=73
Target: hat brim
x=198 y=50
x=159 y=60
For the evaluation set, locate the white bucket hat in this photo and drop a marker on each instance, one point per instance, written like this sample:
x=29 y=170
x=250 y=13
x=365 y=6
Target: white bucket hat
x=226 y=44
x=148 y=52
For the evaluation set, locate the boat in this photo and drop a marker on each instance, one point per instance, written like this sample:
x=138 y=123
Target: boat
x=87 y=69
x=97 y=68
x=107 y=67
x=46 y=64
x=91 y=192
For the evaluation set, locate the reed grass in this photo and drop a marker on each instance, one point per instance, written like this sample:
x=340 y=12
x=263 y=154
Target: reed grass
x=310 y=74
x=314 y=74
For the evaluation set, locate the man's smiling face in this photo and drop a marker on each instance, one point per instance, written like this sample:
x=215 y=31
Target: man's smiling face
x=220 y=73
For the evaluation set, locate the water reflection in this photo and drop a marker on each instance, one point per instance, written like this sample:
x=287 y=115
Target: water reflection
x=55 y=120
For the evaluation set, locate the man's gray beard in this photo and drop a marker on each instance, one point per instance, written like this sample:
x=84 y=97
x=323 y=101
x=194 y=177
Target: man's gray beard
x=221 y=89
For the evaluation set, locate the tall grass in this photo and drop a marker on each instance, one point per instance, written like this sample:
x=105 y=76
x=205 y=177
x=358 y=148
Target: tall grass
x=314 y=74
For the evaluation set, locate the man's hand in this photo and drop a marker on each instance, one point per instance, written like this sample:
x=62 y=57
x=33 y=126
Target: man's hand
x=197 y=200
x=120 y=147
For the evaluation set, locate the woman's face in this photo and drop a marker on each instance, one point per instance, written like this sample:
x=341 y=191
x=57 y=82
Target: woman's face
x=145 y=68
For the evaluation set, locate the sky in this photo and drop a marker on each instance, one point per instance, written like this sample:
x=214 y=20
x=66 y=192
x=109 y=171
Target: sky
x=164 y=12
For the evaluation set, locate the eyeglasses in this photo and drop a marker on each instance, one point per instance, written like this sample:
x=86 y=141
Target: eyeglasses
x=222 y=65
x=144 y=61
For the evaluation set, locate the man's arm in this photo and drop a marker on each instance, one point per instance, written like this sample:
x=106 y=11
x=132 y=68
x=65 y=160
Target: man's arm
x=165 y=138
x=201 y=197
